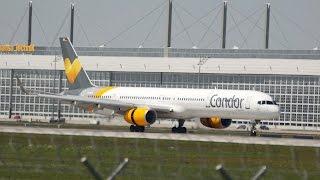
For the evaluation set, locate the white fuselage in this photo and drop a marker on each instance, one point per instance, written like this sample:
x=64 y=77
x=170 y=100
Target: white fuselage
x=198 y=103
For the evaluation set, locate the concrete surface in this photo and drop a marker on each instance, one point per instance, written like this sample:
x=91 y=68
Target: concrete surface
x=164 y=136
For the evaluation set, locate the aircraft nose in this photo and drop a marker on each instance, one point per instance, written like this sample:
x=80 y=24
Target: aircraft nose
x=277 y=111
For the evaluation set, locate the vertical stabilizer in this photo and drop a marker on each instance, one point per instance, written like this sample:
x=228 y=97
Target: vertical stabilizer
x=76 y=76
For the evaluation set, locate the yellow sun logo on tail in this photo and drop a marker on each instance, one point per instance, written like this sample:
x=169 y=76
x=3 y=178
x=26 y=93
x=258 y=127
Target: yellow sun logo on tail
x=72 y=70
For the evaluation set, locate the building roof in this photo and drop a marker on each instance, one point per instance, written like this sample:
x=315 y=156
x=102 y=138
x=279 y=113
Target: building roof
x=174 y=52
x=171 y=64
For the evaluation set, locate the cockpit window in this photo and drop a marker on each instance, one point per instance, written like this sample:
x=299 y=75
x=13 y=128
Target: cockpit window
x=269 y=102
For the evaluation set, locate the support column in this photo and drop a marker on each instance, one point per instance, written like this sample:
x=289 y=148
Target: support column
x=30 y=23
x=161 y=79
x=169 y=24
x=224 y=26
x=10 y=96
x=166 y=50
x=72 y=23
x=110 y=78
x=54 y=88
x=199 y=76
x=267 y=26
x=60 y=89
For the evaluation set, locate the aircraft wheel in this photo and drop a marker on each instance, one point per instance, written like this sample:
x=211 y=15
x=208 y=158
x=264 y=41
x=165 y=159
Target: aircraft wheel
x=179 y=130
x=183 y=130
x=174 y=130
x=132 y=128
x=140 y=128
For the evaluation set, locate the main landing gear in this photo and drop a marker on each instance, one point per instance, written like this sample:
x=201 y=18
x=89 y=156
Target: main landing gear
x=180 y=128
x=134 y=128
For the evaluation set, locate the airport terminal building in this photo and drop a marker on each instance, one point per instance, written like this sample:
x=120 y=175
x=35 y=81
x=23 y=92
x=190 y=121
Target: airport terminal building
x=291 y=77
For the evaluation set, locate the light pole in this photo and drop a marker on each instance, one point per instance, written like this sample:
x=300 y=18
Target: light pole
x=201 y=62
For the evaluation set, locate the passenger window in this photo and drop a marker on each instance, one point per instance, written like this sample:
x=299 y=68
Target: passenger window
x=259 y=102
x=263 y=102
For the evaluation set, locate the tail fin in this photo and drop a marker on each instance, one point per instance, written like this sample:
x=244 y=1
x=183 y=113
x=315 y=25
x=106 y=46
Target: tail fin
x=76 y=75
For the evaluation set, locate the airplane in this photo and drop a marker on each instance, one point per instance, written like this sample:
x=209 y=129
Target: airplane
x=141 y=107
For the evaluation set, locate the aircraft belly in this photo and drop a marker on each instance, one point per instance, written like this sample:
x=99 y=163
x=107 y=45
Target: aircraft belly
x=105 y=112
x=224 y=113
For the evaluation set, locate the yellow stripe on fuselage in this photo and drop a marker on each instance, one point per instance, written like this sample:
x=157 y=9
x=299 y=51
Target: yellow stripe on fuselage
x=101 y=91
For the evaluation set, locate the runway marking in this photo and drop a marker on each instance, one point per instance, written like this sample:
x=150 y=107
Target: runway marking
x=164 y=136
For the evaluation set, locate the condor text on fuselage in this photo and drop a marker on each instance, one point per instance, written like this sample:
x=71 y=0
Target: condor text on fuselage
x=226 y=102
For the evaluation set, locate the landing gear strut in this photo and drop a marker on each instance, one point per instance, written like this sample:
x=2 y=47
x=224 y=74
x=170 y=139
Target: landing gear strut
x=253 y=129
x=180 y=128
x=134 y=128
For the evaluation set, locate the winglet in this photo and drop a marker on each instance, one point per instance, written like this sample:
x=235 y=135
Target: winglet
x=22 y=87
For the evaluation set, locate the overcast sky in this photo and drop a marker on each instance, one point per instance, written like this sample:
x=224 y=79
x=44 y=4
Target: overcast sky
x=294 y=23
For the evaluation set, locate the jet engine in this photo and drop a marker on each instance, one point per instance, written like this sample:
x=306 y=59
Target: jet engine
x=216 y=122
x=140 y=116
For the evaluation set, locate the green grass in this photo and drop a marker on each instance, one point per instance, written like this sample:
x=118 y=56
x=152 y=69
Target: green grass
x=58 y=157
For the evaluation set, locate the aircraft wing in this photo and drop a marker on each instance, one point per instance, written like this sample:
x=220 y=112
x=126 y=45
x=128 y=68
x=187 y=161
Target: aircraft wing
x=101 y=103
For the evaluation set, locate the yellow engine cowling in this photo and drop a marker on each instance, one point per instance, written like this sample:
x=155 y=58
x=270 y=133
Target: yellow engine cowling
x=140 y=116
x=216 y=122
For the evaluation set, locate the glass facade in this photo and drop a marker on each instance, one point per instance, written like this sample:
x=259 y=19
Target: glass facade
x=298 y=96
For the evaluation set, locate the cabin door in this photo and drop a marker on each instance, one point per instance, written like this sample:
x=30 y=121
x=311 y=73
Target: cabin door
x=247 y=103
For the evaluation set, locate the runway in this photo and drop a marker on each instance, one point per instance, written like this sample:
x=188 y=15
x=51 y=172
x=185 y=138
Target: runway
x=164 y=136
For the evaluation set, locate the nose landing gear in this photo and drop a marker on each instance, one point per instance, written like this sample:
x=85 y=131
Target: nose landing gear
x=253 y=129
x=253 y=132
x=180 y=128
